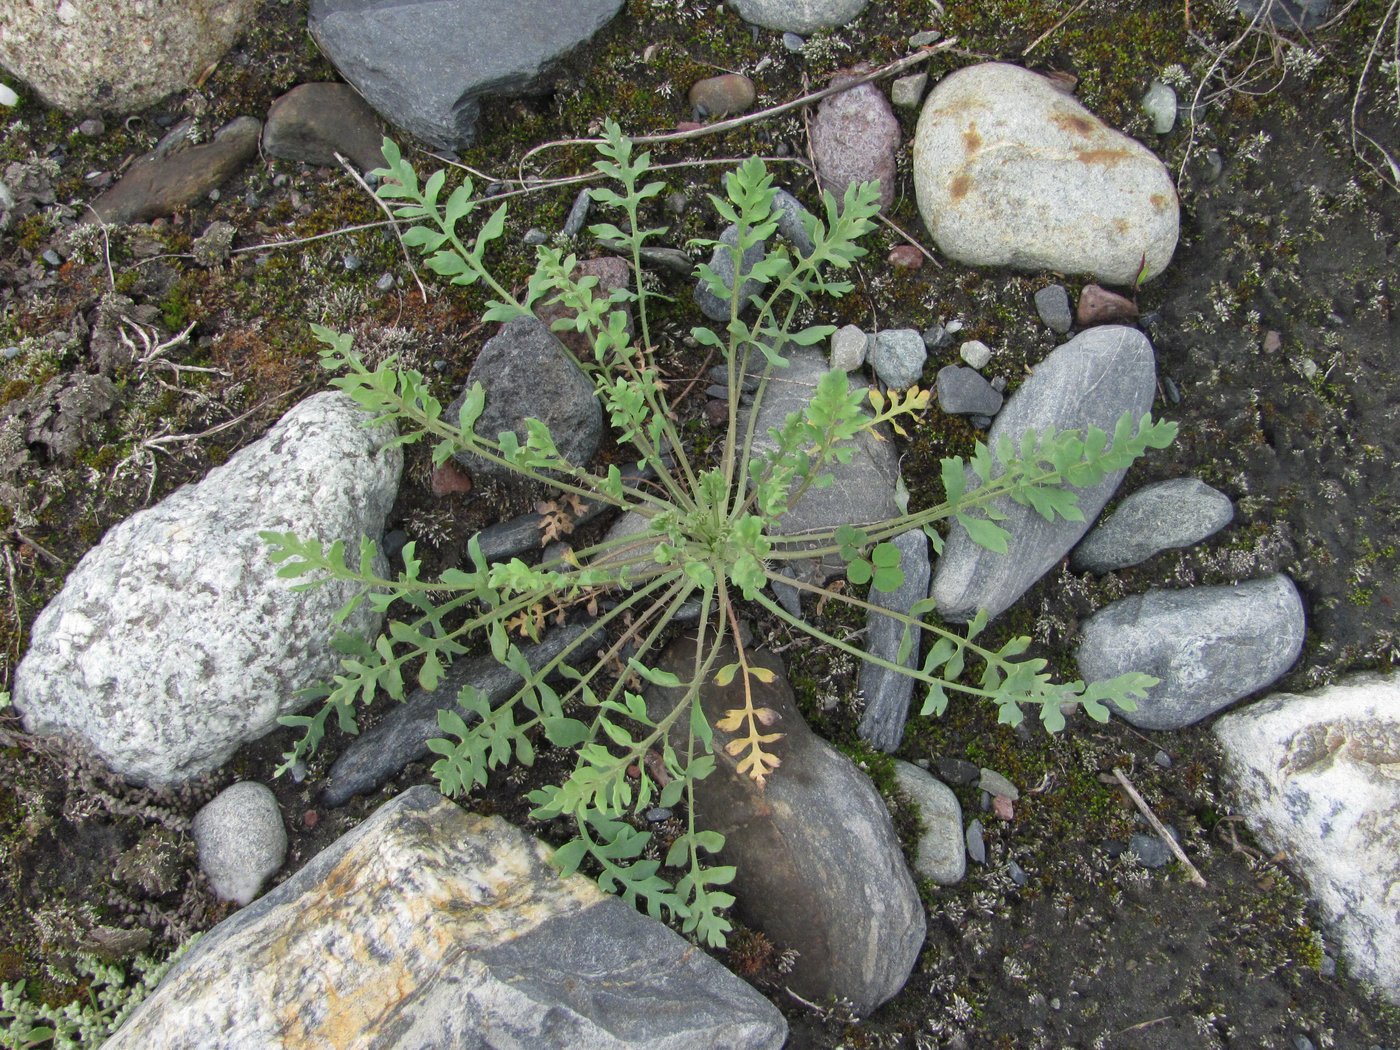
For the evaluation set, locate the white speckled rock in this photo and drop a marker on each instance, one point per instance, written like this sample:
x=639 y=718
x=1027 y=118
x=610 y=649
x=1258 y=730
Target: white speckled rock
x=241 y=840
x=1318 y=776
x=174 y=641
x=427 y=926
x=942 y=851
x=88 y=56
x=1010 y=171
x=798 y=16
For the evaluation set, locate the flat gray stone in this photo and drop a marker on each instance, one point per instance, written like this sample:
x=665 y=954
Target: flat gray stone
x=790 y=222
x=897 y=355
x=173 y=641
x=313 y=122
x=942 y=848
x=798 y=16
x=964 y=392
x=1052 y=304
x=1089 y=381
x=887 y=692
x=427 y=926
x=1011 y=171
x=711 y=305
x=241 y=840
x=908 y=92
x=1155 y=518
x=1210 y=646
x=1315 y=776
x=1160 y=106
x=819 y=865
x=425 y=65
x=528 y=374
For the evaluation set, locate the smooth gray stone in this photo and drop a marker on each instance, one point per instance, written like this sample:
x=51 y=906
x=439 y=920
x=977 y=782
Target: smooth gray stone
x=942 y=849
x=976 y=845
x=820 y=869
x=1150 y=850
x=849 y=346
x=241 y=840
x=992 y=782
x=1210 y=646
x=1052 y=304
x=1153 y=519
x=897 y=355
x=428 y=926
x=790 y=227
x=887 y=692
x=529 y=374
x=425 y=65
x=964 y=392
x=863 y=490
x=1091 y=380
x=798 y=16
x=402 y=735
x=313 y=122
x=578 y=215
x=711 y=305
x=789 y=597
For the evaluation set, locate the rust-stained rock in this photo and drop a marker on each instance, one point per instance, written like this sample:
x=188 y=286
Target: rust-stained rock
x=428 y=926
x=819 y=865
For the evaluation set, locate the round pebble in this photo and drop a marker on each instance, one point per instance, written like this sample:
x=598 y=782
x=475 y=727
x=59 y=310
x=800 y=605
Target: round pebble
x=91 y=128
x=350 y=262
x=241 y=840
x=793 y=42
x=53 y=258
x=976 y=353
x=10 y=353
x=534 y=236
x=906 y=257
x=385 y=282
x=723 y=96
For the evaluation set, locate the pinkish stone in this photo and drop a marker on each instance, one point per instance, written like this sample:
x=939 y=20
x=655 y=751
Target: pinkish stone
x=448 y=479
x=906 y=257
x=854 y=138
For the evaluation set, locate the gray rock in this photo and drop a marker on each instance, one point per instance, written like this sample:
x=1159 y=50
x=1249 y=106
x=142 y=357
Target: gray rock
x=528 y=374
x=1089 y=381
x=937 y=337
x=963 y=392
x=908 y=92
x=313 y=122
x=1288 y=14
x=433 y=927
x=887 y=692
x=976 y=845
x=791 y=222
x=976 y=354
x=116 y=58
x=1052 y=304
x=241 y=840
x=925 y=37
x=1210 y=646
x=1155 y=518
x=712 y=305
x=162 y=182
x=794 y=43
x=992 y=782
x=942 y=850
x=1315 y=775
x=897 y=355
x=1160 y=106
x=425 y=65
x=862 y=492
x=819 y=865
x=402 y=735
x=174 y=641
x=798 y=16
x=848 y=346
x=578 y=214
x=1150 y=850
x=789 y=597
x=1010 y=171
x=854 y=138
x=958 y=771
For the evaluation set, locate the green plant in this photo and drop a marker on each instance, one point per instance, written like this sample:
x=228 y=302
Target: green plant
x=712 y=535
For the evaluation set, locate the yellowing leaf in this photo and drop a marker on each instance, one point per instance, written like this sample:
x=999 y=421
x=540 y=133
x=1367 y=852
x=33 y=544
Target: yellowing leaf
x=735 y=746
x=766 y=716
x=762 y=674
x=731 y=721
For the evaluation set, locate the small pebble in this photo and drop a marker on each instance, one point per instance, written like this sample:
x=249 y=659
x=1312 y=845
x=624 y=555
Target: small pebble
x=351 y=262
x=906 y=257
x=310 y=819
x=1302 y=1042
x=1328 y=967
x=677 y=203
x=297 y=771
x=936 y=337
x=924 y=38
x=394 y=542
x=1151 y=851
x=1003 y=807
x=1273 y=342
x=657 y=814
x=976 y=353
x=1163 y=759
x=793 y=42
x=10 y=353
x=281 y=179
x=908 y=92
x=953 y=327
x=848 y=348
x=980 y=422
x=976 y=848
x=1018 y=876
x=385 y=282
x=1160 y=106
x=1215 y=164
x=91 y=128
x=1100 y=306
x=1052 y=304
x=53 y=258
x=726 y=95
x=717 y=412
x=534 y=235
x=999 y=384
x=958 y=771
x=578 y=214
x=449 y=479
x=1169 y=388
x=214 y=194
x=993 y=782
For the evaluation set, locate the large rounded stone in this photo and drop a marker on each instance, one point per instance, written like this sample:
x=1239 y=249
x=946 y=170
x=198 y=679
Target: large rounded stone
x=174 y=641
x=854 y=138
x=89 y=56
x=1010 y=171
x=1209 y=646
x=1089 y=381
x=798 y=16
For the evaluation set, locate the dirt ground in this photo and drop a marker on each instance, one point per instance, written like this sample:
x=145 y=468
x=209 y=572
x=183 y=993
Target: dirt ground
x=1276 y=345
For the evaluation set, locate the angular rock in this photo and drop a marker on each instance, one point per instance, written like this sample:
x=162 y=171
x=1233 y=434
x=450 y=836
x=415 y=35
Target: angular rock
x=862 y=492
x=976 y=354
x=963 y=392
x=427 y=926
x=942 y=849
x=1010 y=171
x=887 y=692
x=713 y=306
x=819 y=866
x=116 y=57
x=528 y=374
x=162 y=182
x=1089 y=381
x=1315 y=775
x=1100 y=306
x=174 y=641
x=612 y=275
x=848 y=346
x=425 y=65
x=1210 y=646
x=1153 y=519
x=313 y=122
x=908 y=92
x=726 y=95
x=798 y=16
x=241 y=840
x=1052 y=304
x=402 y=735
x=854 y=137
x=897 y=355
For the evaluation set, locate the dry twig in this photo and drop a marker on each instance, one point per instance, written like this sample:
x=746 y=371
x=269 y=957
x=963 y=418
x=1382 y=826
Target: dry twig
x=1158 y=826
